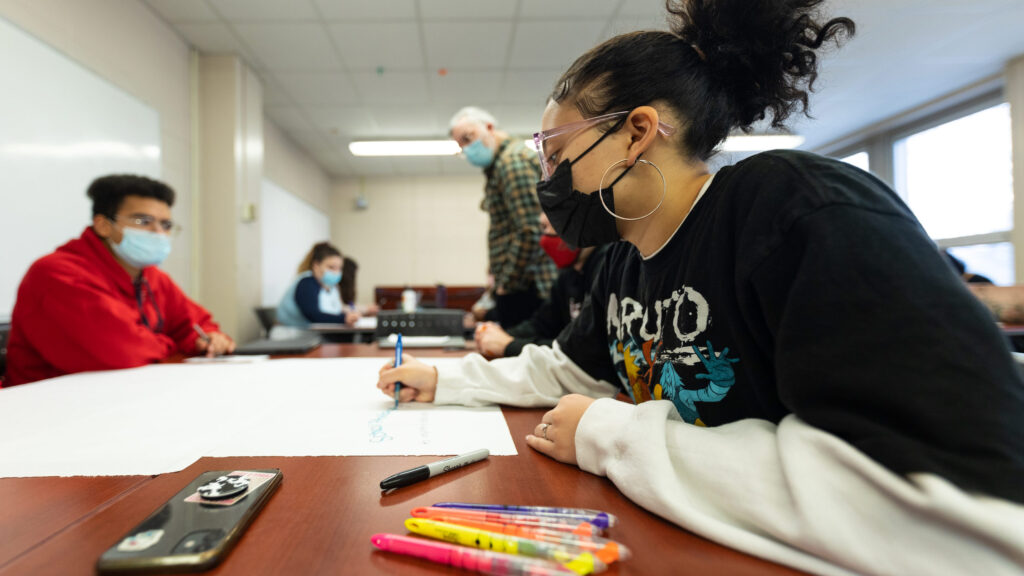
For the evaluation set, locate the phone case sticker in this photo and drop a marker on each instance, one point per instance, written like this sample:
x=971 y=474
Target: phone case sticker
x=141 y=541
x=256 y=479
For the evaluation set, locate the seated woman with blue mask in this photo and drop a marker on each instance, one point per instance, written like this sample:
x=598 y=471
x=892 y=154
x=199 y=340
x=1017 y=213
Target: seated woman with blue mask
x=314 y=297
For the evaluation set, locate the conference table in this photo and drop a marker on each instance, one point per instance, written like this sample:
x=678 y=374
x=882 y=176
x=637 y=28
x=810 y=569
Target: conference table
x=322 y=516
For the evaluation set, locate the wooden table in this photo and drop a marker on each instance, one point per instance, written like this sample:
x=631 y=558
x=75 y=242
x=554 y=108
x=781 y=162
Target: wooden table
x=321 y=518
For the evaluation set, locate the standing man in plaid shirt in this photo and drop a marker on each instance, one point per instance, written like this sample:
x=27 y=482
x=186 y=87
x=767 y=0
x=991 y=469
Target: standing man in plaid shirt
x=523 y=274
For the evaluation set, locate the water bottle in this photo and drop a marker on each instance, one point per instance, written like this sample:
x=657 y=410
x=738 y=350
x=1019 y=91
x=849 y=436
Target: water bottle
x=408 y=299
x=441 y=296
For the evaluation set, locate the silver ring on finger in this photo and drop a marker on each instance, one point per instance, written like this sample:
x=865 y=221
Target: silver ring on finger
x=544 y=430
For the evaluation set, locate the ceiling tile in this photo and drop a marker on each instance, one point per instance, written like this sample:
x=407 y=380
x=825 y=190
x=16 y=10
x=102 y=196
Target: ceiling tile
x=459 y=88
x=575 y=8
x=364 y=10
x=553 y=44
x=518 y=119
x=333 y=88
x=461 y=9
x=288 y=118
x=183 y=10
x=249 y=10
x=529 y=86
x=643 y=7
x=211 y=38
x=290 y=45
x=406 y=122
x=427 y=165
x=355 y=121
x=390 y=87
x=273 y=94
x=632 y=23
x=395 y=44
x=370 y=166
x=480 y=45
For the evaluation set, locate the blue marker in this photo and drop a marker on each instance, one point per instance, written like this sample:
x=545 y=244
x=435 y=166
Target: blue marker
x=398 y=362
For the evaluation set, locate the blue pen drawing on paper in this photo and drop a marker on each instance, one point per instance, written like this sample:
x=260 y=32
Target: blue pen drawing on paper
x=377 y=432
x=388 y=426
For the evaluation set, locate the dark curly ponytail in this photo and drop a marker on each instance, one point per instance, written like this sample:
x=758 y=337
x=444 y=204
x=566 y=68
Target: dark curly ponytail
x=726 y=64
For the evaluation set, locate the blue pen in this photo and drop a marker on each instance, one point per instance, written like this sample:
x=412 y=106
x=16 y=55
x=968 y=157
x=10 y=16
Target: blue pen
x=398 y=362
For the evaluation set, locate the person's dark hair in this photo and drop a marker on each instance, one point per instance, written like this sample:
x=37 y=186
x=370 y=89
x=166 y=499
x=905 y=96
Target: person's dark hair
x=108 y=192
x=348 y=279
x=955 y=262
x=318 y=253
x=725 y=65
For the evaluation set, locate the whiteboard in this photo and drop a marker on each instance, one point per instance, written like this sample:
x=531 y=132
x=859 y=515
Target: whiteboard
x=288 y=229
x=61 y=126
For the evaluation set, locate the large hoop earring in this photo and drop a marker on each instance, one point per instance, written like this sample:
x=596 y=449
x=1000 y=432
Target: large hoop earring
x=600 y=189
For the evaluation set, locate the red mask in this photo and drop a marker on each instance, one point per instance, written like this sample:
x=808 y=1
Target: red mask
x=558 y=250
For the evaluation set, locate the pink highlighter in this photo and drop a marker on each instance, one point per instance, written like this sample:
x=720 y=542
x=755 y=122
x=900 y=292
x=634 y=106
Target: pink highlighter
x=480 y=561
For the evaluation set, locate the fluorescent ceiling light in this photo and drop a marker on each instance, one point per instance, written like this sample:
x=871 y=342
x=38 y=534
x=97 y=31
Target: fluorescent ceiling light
x=760 y=143
x=404 y=148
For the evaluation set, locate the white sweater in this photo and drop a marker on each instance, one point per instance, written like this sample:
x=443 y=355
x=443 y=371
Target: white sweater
x=790 y=493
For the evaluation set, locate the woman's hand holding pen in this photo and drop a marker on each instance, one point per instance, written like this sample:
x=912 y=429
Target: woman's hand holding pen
x=418 y=380
x=215 y=344
x=555 y=436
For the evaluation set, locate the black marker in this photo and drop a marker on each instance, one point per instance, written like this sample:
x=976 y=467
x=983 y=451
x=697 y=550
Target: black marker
x=430 y=470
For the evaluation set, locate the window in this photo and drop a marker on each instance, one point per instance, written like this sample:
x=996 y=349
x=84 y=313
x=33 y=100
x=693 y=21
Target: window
x=957 y=179
x=994 y=261
x=859 y=159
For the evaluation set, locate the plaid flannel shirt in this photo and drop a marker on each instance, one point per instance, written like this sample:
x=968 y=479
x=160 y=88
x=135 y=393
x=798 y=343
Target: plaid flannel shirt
x=513 y=239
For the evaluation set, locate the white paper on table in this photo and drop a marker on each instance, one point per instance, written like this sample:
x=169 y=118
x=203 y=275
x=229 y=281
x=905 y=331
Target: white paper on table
x=161 y=418
x=367 y=322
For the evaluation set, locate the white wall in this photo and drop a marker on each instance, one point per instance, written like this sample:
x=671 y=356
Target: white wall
x=127 y=45
x=289 y=166
x=102 y=130
x=289 y=228
x=416 y=230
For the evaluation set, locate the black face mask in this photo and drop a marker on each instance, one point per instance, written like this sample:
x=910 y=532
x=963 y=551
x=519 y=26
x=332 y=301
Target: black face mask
x=579 y=218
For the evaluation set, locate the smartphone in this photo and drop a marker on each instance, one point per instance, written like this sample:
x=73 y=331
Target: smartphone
x=195 y=529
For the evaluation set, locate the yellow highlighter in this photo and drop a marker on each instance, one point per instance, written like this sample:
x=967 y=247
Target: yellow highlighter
x=576 y=559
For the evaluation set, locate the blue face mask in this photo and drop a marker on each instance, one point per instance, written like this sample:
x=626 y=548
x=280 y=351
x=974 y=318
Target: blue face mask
x=141 y=248
x=331 y=278
x=478 y=154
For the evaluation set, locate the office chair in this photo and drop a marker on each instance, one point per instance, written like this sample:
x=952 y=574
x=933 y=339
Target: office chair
x=5 y=330
x=267 y=317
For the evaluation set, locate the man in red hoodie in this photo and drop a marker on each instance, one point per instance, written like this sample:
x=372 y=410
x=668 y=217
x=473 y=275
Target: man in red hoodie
x=99 y=302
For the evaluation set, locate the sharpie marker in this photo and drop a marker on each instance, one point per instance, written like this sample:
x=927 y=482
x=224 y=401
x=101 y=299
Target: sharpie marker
x=549 y=522
x=576 y=559
x=430 y=470
x=480 y=561
x=606 y=550
x=595 y=517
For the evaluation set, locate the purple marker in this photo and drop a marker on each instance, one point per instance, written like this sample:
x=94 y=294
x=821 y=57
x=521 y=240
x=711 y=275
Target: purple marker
x=598 y=518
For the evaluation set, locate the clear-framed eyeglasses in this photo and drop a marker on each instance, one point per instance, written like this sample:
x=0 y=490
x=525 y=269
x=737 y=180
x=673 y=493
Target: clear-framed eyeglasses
x=146 y=221
x=548 y=147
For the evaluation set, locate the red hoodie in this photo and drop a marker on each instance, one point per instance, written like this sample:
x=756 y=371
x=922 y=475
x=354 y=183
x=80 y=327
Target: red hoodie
x=77 y=311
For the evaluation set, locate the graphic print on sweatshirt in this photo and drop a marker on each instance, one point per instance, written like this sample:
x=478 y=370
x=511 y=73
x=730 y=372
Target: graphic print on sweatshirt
x=652 y=346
